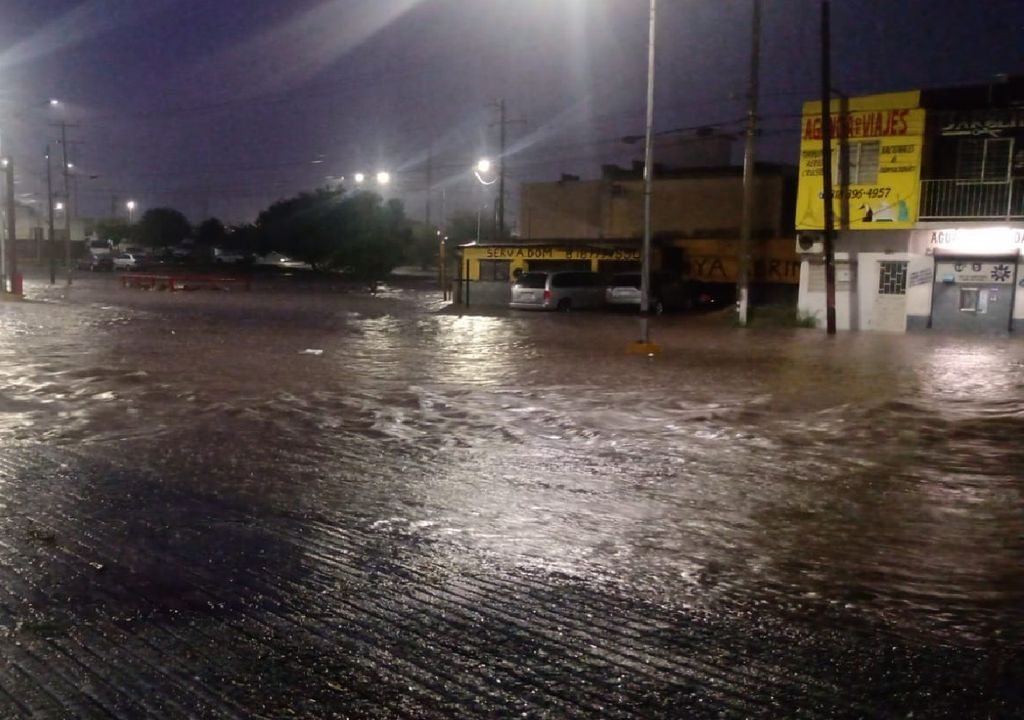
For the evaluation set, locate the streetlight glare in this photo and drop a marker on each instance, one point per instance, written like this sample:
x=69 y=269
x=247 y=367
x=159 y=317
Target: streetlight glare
x=484 y=165
x=359 y=178
x=383 y=178
x=59 y=206
x=54 y=102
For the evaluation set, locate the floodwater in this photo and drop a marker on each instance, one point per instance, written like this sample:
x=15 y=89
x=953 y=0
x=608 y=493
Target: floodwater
x=347 y=505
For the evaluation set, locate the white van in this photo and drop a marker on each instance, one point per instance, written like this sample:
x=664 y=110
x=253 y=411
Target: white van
x=564 y=291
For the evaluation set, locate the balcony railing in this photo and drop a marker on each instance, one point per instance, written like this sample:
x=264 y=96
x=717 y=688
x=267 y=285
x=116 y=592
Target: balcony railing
x=981 y=199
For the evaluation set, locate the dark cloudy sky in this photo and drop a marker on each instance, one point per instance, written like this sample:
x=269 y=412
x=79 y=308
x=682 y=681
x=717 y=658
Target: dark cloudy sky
x=221 y=106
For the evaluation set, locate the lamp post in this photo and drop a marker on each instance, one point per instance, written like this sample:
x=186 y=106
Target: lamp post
x=131 y=211
x=10 y=266
x=645 y=258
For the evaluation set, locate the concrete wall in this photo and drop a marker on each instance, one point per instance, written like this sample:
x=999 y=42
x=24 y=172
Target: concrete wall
x=594 y=209
x=489 y=293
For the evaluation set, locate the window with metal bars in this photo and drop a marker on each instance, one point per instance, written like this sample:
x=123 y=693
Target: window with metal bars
x=494 y=269
x=864 y=160
x=892 y=278
x=984 y=159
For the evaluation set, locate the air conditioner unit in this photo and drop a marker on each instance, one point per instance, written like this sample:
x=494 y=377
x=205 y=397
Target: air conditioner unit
x=810 y=244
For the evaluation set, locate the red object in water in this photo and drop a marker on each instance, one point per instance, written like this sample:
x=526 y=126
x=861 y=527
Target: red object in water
x=17 y=284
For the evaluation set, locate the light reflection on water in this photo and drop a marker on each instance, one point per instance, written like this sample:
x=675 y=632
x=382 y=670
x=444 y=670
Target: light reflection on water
x=876 y=474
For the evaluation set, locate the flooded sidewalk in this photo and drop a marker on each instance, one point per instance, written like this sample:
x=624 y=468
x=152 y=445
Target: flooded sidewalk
x=325 y=503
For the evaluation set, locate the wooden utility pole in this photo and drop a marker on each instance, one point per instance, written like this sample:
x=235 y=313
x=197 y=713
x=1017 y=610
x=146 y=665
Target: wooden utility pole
x=67 y=199
x=645 y=259
x=746 y=222
x=12 y=239
x=430 y=185
x=49 y=203
x=500 y=230
x=826 y=167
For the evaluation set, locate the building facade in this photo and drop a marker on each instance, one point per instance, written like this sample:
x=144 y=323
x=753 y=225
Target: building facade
x=597 y=224
x=929 y=206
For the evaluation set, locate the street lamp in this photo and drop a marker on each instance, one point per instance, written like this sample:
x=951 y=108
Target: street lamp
x=59 y=206
x=483 y=167
x=54 y=102
x=131 y=210
x=360 y=178
x=383 y=178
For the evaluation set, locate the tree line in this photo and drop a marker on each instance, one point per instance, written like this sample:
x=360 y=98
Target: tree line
x=358 y=233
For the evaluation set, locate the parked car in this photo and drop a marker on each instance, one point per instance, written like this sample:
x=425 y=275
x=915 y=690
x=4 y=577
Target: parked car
x=276 y=259
x=667 y=292
x=128 y=261
x=560 y=290
x=95 y=263
x=222 y=256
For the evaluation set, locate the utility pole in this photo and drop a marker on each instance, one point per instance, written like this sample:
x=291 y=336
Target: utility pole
x=4 y=240
x=430 y=185
x=49 y=203
x=12 y=241
x=746 y=222
x=67 y=199
x=826 y=162
x=645 y=259
x=500 y=234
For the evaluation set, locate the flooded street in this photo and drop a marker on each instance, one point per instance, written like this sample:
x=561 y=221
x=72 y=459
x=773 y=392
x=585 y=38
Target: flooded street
x=303 y=502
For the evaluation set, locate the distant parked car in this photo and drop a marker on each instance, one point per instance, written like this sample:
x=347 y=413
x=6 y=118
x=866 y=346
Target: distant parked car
x=228 y=257
x=95 y=263
x=667 y=293
x=559 y=290
x=128 y=261
x=276 y=259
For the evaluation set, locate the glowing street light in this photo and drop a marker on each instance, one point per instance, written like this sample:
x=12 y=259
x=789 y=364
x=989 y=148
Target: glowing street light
x=483 y=167
x=383 y=178
x=54 y=102
x=131 y=210
x=360 y=178
x=58 y=206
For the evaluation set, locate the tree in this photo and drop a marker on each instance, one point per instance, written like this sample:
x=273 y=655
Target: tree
x=162 y=227
x=211 y=233
x=303 y=227
x=115 y=230
x=245 y=238
x=358 y=234
x=463 y=227
x=377 y=237
x=422 y=249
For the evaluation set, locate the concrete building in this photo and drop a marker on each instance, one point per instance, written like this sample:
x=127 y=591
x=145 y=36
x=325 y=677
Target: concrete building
x=597 y=224
x=929 y=200
x=31 y=229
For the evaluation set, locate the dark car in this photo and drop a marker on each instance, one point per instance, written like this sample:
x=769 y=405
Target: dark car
x=667 y=293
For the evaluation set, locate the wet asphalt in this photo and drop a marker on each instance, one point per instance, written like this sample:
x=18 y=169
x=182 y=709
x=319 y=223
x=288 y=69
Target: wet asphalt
x=307 y=501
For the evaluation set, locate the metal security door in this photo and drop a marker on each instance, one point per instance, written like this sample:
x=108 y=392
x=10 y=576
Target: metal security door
x=889 y=309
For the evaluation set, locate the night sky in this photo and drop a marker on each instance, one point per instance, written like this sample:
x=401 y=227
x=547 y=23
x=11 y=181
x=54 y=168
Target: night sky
x=219 y=107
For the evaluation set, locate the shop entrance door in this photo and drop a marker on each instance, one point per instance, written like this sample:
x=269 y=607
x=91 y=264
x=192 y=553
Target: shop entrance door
x=974 y=295
x=889 y=309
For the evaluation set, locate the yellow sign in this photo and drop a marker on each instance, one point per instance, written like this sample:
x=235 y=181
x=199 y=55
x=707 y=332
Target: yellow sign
x=876 y=146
